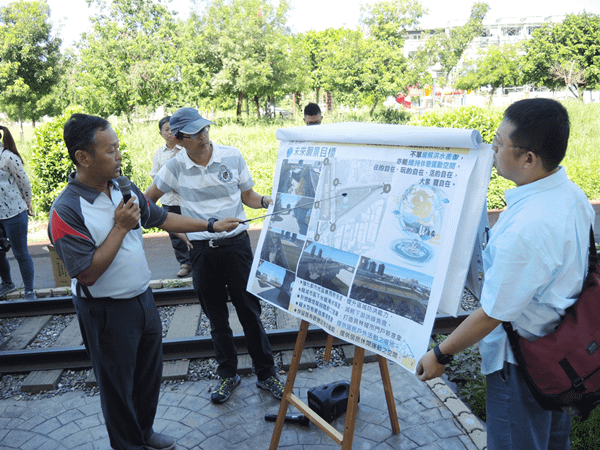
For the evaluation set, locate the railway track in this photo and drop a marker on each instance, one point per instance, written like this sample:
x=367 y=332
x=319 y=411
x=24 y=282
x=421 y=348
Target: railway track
x=179 y=346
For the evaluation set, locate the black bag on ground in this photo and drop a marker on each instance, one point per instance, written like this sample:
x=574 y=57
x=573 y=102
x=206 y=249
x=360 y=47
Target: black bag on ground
x=562 y=369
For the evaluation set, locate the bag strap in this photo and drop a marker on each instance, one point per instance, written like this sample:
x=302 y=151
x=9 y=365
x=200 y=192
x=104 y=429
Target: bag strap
x=81 y=287
x=593 y=256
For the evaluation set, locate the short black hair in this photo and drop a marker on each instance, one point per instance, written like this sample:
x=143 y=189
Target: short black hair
x=163 y=121
x=312 y=109
x=80 y=133
x=542 y=126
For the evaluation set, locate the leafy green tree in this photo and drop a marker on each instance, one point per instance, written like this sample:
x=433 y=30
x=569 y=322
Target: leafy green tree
x=500 y=66
x=573 y=43
x=448 y=47
x=371 y=66
x=389 y=20
x=129 y=58
x=250 y=49
x=29 y=59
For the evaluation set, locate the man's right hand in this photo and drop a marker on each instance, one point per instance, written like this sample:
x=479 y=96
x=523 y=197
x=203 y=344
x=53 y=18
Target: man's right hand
x=127 y=215
x=228 y=224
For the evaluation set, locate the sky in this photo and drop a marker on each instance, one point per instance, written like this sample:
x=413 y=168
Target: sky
x=321 y=14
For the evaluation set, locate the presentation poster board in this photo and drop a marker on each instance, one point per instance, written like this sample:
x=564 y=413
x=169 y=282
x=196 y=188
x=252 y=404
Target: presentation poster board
x=373 y=228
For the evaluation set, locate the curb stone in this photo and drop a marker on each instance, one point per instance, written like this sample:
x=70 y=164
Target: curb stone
x=463 y=415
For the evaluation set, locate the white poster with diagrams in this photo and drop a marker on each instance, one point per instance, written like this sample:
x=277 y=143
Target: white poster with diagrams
x=372 y=226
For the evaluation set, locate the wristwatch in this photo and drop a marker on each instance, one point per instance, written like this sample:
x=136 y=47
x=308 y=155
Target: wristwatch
x=442 y=359
x=211 y=223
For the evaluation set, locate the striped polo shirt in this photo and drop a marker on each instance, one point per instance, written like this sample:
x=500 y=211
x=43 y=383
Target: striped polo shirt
x=211 y=191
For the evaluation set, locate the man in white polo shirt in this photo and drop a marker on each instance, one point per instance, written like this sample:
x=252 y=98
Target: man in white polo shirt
x=213 y=181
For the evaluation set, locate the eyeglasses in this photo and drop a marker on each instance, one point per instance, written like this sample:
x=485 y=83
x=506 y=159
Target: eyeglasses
x=496 y=145
x=194 y=136
x=316 y=122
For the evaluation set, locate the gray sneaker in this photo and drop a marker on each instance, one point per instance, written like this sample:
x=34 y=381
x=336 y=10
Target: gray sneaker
x=226 y=386
x=274 y=385
x=5 y=288
x=29 y=295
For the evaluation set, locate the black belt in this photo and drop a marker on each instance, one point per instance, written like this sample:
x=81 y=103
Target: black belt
x=223 y=242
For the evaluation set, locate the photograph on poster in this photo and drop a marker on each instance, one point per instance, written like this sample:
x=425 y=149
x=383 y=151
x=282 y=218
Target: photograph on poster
x=328 y=267
x=354 y=195
x=273 y=284
x=282 y=248
x=395 y=289
x=420 y=217
x=292 y=213
x=299 y=178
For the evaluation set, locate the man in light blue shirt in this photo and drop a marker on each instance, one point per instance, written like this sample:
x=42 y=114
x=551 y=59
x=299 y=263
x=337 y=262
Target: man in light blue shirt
x=534 y=266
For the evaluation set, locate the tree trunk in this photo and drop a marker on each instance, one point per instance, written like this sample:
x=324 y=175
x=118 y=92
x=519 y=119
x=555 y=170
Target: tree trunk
x=318 y=94
x=373 y=108
x=256 y=102
x=238 y=111
x=21 y=118
x=573 y=91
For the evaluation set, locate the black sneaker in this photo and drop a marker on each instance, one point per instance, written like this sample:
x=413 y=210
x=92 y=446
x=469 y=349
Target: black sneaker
x=223 y=392
x=5 y=288
x=274 y=385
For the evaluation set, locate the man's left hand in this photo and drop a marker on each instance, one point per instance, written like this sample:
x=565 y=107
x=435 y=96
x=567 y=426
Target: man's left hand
x=428 y=367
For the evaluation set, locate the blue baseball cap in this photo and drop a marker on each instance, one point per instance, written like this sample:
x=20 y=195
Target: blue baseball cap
x=188 y=121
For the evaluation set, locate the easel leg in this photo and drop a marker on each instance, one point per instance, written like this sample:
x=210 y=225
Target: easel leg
x=389 y=394
x=289 y=384
x=328 y=347
x=357 y=366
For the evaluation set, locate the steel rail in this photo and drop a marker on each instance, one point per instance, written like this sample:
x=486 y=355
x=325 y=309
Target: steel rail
x=64 y=305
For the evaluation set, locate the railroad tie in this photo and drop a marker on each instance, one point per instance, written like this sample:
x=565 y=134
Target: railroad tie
x=25 y=333
x=44 y=380
x=184 y=324
x=309 y=358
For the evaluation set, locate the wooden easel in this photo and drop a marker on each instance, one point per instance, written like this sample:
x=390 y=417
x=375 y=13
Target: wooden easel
x=344 y=440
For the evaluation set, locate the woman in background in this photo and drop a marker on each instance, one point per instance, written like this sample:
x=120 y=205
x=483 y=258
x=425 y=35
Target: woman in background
x=15 y=206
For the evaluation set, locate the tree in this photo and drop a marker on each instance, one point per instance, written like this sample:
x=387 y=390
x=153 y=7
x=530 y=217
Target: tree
x=574 y=42
x=448 y=47
x=371 y=66
x=129 y=59
x=389 y=20
x=570 y=74
x=500 y=66
x=29 y=59
x=250 y=49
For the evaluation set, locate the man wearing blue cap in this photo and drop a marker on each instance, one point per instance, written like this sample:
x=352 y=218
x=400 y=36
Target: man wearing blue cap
x=213 y=181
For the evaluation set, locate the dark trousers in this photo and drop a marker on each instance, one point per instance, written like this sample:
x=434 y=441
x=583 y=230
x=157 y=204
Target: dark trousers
x=181 y=249
x=215 y=272
x=124 y=339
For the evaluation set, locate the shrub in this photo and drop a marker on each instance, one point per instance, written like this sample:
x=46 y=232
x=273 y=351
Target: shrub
x=586 y=434
x=469 y=117
x=51 y=164
x=393 y=116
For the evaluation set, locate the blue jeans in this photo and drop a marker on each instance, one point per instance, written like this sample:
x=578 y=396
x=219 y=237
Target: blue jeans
x=515 y=420
x=16 y=231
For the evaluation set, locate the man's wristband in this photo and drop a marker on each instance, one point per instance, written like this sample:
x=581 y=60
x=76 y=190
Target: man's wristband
x=263 y=203
x=211 y=225
x=442 y=359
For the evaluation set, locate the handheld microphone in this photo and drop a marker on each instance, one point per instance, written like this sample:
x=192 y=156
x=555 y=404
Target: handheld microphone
x=125 y=187
x=300 y=419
